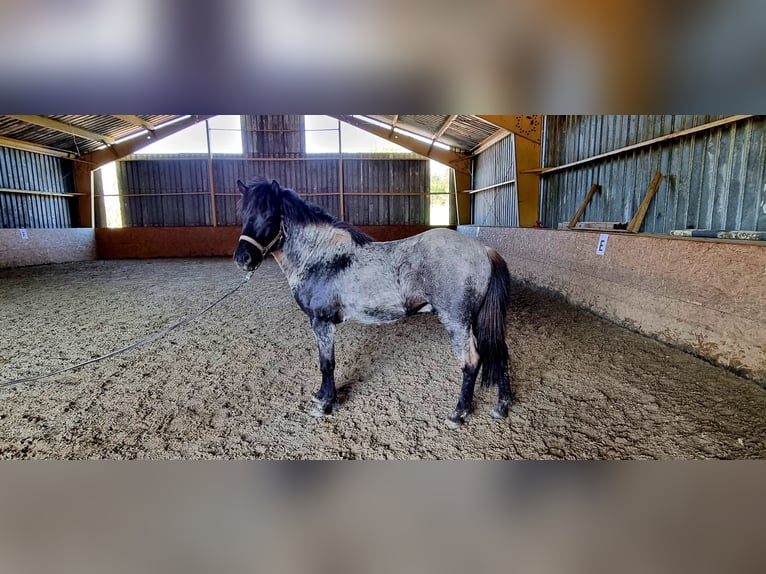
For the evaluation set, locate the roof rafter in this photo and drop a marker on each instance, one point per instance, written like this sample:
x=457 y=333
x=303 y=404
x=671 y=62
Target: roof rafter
x=137 y=121
x=50 y=123
x=445 y=126
x=490 y=140
x=126 y=147
x=456 y=160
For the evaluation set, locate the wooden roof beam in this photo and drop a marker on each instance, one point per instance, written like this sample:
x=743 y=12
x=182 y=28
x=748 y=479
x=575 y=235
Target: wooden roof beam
x=138 y=121
x=126 y=147
x=34 y=148
x=50 y=123
x=458 y=161
x=445 y=126
x=490 y=140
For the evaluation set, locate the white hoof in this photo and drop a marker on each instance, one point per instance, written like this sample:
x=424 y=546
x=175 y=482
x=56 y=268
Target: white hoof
x=453 y=423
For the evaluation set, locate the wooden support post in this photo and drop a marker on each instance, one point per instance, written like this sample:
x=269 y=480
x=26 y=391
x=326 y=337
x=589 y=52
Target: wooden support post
x=341 y=202
x=210 y=178
x=638 y=218
x=576 y=217
x=83 y=186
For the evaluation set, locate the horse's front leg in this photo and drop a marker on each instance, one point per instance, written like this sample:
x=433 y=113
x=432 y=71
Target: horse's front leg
x=324 y=334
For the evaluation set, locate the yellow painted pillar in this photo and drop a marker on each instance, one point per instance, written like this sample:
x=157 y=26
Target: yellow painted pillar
x=528 y=156
x=463 y=185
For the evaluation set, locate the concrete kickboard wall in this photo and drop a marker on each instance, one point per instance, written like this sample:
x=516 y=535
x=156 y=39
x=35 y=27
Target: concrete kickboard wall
x=44 y=246
x=708 y=297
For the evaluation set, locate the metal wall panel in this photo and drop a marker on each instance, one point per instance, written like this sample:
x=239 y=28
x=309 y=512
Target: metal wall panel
x=498 y=205
x=410 y=178
x=164 y=192
x=43 y=174
x=176 y=192
x=713 y=179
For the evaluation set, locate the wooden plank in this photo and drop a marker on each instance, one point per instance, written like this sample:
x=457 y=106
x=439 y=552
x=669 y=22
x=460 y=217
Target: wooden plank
x=607 y=225
x=36 y=192
x=493 y=186
x=35 y=148
x=490 y=140
x=445 y=126
x=639 y=145
x=591 y=192
x=638 y=218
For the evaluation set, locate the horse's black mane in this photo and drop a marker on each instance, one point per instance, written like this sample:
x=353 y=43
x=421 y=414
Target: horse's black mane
x=298 y=210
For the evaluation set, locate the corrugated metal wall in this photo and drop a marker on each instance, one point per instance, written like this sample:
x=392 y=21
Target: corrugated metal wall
x=176 y=192
x=498 y=205
x=713 y=179
x=366 y=180
x=22 y=171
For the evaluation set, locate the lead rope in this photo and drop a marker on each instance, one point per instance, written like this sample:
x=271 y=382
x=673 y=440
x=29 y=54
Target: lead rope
x=138 y=343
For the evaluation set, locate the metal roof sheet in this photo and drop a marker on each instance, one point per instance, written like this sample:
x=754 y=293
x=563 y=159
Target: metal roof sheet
x=109 y=126
x=464 y=132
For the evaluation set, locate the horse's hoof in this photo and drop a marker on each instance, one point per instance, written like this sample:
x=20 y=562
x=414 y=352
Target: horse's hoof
x=455 y=420
x=499 y=412
x=321 y=408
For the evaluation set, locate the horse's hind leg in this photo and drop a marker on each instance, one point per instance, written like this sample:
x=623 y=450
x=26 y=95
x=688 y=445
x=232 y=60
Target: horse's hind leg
x=324 y=398
x=464 y=345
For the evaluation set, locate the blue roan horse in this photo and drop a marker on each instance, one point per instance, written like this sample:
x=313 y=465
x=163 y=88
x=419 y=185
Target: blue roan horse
x=336 y=272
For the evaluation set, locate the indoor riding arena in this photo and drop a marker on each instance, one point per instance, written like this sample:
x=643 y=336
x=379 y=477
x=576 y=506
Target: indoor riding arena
x=636 y=247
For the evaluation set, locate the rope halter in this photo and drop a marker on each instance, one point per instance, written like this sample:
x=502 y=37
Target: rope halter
x=266 y=250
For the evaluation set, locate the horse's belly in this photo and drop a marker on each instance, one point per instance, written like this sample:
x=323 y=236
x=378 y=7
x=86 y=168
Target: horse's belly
x=374 y=315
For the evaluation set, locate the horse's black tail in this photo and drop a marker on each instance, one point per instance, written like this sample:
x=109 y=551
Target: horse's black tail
x=489 y=325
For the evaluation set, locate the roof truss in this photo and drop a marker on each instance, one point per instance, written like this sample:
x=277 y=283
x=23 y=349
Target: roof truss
x=458 y=161
x=50 y=123
x=138 y=121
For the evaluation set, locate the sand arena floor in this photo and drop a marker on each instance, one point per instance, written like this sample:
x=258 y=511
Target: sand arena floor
x=236 y=382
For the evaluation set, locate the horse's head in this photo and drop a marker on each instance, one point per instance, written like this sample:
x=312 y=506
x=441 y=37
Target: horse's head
x=261 y=222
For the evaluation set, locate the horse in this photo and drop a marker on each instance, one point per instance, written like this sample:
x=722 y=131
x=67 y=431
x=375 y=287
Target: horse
x=337 y=273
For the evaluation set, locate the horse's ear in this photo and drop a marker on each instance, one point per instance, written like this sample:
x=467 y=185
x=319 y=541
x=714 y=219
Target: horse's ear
x=275 y=186
x=242 y=187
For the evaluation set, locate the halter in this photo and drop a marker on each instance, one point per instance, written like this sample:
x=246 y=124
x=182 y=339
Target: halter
x=266 y=250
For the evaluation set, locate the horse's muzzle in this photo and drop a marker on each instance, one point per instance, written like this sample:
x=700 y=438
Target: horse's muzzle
x=244 y=259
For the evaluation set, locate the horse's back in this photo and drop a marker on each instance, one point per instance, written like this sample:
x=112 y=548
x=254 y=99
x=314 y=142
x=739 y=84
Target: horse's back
x=443 y=266
x=450 y=248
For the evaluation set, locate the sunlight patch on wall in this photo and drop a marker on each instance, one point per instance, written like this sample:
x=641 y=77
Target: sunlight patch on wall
x=110 y=189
